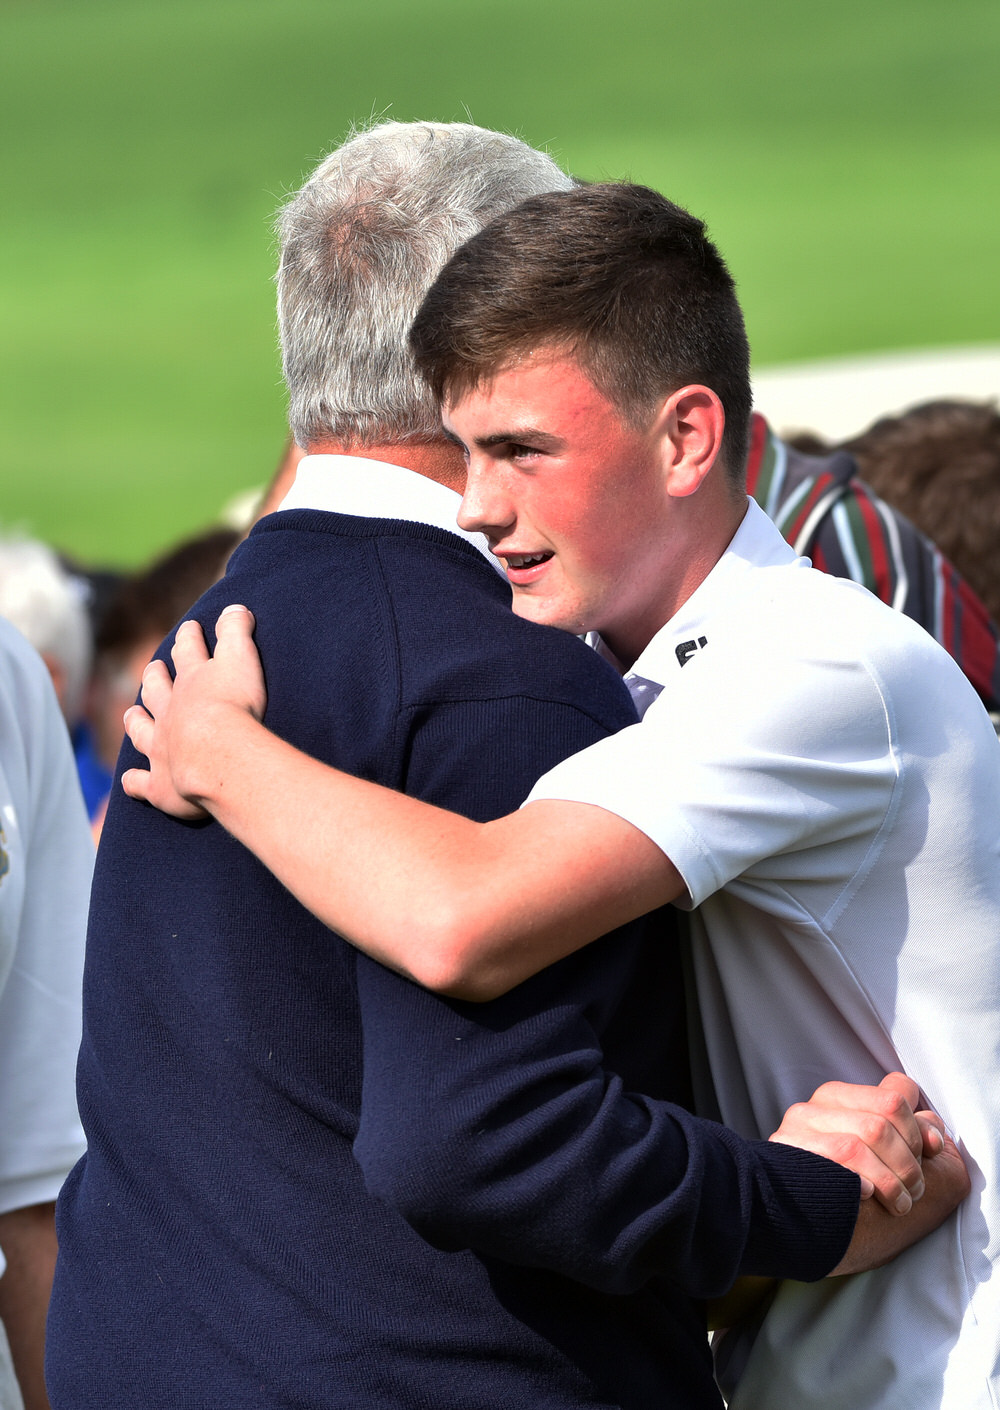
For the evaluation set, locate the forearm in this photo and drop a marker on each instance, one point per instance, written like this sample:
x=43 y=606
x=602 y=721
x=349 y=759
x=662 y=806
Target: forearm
x=362 y=858
x=28 y=1240
x=485 y=905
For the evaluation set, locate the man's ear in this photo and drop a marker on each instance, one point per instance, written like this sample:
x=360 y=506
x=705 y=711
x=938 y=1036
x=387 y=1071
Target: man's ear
x=691 y=423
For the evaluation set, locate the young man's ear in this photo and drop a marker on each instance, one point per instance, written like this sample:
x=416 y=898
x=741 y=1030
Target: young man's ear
x=692 y=422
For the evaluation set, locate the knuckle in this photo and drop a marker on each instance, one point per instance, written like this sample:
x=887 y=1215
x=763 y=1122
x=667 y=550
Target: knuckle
x=874 y=1130
x=795 y=1120
x=846 y=1149
x=893 y=1102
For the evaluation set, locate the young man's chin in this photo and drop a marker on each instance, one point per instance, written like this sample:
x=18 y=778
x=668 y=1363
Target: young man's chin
x=547 y=614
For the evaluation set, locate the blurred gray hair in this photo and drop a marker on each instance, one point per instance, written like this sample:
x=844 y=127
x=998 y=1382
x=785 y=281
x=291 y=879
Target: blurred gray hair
x=361 y=243
x=46 y=604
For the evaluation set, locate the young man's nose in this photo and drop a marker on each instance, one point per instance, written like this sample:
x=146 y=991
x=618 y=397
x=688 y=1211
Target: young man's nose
x=485 y=508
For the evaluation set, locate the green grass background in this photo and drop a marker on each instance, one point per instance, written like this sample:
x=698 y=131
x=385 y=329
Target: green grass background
x=846 y=158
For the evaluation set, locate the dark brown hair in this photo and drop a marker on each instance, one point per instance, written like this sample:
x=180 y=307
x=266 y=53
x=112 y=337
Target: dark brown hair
x=939 y=464
x=618 y=276
x=149 y=602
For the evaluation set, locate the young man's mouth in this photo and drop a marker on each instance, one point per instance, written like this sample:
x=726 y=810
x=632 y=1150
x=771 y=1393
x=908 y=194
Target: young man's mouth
x=523 y=568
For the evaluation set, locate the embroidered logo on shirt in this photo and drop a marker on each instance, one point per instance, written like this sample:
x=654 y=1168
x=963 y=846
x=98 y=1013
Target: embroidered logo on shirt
x=686 y=650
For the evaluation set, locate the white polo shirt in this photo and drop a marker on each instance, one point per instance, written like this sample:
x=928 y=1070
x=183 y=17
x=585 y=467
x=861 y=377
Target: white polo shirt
x=828 y=785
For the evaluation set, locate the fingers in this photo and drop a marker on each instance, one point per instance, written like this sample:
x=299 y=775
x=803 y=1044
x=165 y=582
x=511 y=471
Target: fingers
x=894 y=1100
x=929 y=1124
x=903 y=1086
x=234 y=637
x=156 y=688
x=235 y=622
x=154 y=786
x=240 y=675
x=189 y=648
x=139 y=728
x=877 y=1239
x=948 y=1180
x=870 y=1130
x=136 y=783
x=864 y=1142
x=878 y=1155
x=178 y=723
x=234 y=626
x=933 y=1132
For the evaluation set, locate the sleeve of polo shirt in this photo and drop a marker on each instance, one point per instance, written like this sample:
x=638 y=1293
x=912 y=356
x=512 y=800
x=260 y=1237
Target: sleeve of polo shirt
x=749 y=769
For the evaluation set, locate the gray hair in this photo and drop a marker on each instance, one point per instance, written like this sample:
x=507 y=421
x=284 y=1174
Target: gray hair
x=46 y=604
x=361 y=243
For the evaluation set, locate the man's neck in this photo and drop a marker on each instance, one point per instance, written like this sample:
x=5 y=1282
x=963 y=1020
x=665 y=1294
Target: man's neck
x=439 y=460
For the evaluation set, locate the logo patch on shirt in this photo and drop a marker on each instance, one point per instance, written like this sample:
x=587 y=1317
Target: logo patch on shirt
x=686 y=650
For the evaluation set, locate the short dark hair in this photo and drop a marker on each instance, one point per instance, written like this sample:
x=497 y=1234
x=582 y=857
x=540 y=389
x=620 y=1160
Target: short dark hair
x=621 y=278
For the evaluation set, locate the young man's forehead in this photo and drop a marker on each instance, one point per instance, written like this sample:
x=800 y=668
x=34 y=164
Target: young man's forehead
x=465 y=382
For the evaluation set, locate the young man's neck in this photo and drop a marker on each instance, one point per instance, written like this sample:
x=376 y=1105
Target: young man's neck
x=685 y=568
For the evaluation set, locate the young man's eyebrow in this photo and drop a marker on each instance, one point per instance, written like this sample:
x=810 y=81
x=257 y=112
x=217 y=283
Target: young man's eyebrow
x=543 y=439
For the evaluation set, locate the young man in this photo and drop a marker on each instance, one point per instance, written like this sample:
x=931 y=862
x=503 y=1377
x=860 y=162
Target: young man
x=811 y=772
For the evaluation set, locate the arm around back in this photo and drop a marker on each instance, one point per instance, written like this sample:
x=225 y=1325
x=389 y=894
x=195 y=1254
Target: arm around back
x=580 y=870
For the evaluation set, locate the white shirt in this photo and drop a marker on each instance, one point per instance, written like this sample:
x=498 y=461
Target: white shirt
x=828 y=785
x=46 y=860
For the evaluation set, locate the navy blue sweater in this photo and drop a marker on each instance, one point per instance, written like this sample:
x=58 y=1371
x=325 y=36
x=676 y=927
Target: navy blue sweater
x=311 y=1184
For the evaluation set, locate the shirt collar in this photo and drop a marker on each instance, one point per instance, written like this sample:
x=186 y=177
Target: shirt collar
x=376 y=489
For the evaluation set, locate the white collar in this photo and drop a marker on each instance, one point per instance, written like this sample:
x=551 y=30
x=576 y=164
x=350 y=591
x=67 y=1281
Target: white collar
x=376 y=489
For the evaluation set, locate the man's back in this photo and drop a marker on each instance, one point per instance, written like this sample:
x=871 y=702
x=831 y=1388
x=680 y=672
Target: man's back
x=218 y=1244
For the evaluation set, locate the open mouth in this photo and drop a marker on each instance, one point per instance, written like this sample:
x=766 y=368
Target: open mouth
x=520 y=561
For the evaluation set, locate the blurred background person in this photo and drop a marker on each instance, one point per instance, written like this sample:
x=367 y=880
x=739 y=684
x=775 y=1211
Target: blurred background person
x=822 y=499
x=142 y=609
x=939 y=462
x=46 y=602
x=46 y=860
